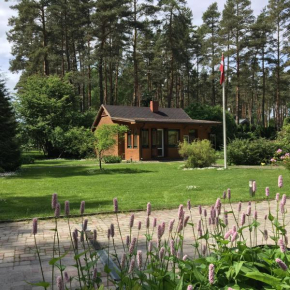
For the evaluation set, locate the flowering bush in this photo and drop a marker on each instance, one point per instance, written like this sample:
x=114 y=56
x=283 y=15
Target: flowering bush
x=281 y=158
x=223 y=257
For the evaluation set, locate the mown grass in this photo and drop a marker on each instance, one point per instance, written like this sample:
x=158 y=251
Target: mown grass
x=165 y=185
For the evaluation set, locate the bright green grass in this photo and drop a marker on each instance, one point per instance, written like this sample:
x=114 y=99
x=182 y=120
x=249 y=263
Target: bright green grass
x=163 y=184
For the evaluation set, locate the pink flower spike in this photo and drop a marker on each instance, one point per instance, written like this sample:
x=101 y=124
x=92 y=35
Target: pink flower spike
x=112 y=230
x=147 y=222
x=234 y=236
x=211 y=274
x=170 y=226
x=243 y=219
x=267 y=191
x=281 y=264
x=59 y=283
x=132 y=265
x=282 y=246
x=254 y=186
x=200 y=209
x=131 y=224
x=115 y=203
x=132 y=246
x=85 y=225
x=66 y=208
x=139 y=259
x=284 y=198
x=82 y=207
x=185 y=257
x=139 y=226
x=54 y=201
x=148 y=209
x=189 y=287
x=229 y=193
x=189 y=205
x=277 y=197
x=154 y=222
x=280 y=181
x=57 y=210
x=172 y=249
x=240 y=207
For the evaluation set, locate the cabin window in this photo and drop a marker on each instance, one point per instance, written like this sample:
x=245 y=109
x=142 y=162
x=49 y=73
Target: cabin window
x=154 y=138
x=129 y=139
x=173 y=138
x=192 y=135
x=145 y=138
x=135 y=139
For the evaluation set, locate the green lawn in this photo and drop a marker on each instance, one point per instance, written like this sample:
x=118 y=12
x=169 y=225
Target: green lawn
x=28 y=194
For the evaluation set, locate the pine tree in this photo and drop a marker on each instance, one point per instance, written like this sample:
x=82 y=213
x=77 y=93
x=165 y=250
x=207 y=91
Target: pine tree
x=9 y=147
x=211 y=50
x=237 y=18
x=278 y=10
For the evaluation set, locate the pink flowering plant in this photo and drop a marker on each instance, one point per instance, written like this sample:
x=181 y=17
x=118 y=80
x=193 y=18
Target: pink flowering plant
x=281 y=158
x=229 y=248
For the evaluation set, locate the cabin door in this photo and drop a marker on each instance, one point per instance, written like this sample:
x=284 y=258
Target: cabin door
x=160 y=142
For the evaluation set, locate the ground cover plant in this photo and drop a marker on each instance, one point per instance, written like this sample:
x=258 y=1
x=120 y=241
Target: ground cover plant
x=26 y=194
x=224 y=257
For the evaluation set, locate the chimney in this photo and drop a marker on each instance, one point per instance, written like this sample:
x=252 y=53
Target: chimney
x=154 y=106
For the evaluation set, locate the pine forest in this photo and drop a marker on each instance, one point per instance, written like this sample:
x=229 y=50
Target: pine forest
x=128 y=52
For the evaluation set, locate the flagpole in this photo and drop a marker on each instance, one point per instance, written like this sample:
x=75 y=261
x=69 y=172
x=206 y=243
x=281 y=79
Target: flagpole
x=224 y=127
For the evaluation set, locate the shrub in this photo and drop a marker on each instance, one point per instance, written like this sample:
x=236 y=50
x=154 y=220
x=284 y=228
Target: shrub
x=76 y=142
x=112 y=159
x=199 y=153
x=246 y=152
x=223 y=255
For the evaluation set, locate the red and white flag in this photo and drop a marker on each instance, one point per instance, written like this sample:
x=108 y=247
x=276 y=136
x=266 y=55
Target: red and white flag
x=222 y=67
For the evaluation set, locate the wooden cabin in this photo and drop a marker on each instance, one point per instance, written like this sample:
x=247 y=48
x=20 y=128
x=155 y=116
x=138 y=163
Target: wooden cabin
x=154 y=133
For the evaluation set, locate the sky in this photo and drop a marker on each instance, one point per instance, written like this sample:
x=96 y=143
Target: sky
x=197 y=7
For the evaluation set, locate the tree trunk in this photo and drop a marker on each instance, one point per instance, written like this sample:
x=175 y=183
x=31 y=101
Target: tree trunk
x=136 y=93
x=89 y=76
x=170 y=93
x=66 y=38
x=264 y=87
x=44 y=42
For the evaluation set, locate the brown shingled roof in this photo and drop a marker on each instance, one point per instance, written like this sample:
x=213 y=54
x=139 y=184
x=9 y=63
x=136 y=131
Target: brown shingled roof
x=144 y=114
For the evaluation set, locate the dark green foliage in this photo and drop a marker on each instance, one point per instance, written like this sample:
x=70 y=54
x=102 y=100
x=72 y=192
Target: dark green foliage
x=75 y=142
x=251 y=152
x=206 y=112
x=9 y=147
x=112 y=159
x=49 y=109
x=199 y=153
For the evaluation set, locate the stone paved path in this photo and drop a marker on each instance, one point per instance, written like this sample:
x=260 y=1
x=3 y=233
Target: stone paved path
x=19 y=263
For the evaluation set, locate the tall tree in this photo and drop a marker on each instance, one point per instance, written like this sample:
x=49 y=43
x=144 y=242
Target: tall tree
x=29 y=36
x=240 y=18
x=260 y=39
x=278 y=10
x=9 y=147
x=211 y=54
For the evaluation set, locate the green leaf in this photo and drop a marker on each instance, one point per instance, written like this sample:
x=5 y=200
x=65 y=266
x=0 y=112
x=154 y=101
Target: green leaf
x=270 y=217
x=76 y=257
x=238 y=267
x=180 y=284
x=54 y=260
x=41 y=284
x=263 y=277
x=107 y=269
